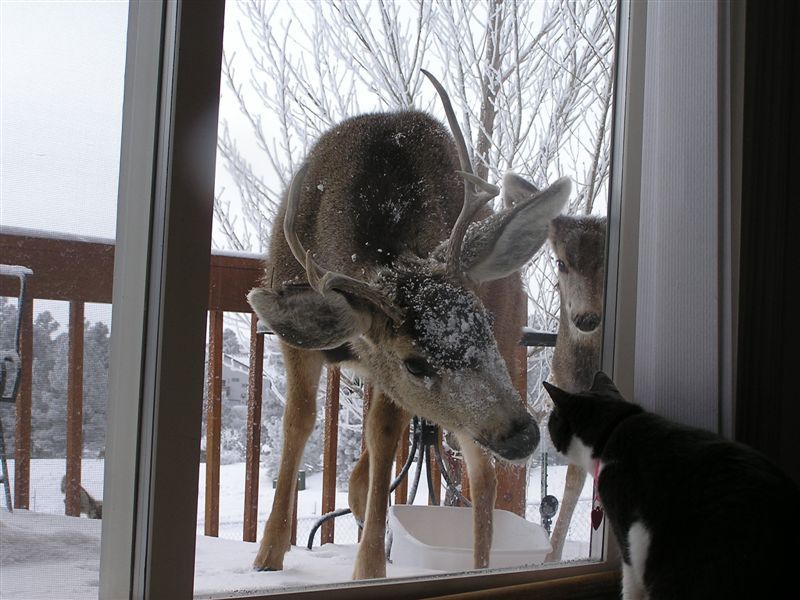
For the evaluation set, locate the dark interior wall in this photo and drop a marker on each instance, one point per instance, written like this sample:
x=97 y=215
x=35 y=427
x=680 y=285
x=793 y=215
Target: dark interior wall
x=768 y=402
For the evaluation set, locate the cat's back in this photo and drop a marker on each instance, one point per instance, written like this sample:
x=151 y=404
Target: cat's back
x=664 y=453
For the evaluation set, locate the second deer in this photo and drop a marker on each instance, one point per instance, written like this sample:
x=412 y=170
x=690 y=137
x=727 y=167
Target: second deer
x=579 y=245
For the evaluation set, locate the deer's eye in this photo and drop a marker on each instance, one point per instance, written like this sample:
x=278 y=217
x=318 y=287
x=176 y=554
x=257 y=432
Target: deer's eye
x=562 y=266
x=418 y=366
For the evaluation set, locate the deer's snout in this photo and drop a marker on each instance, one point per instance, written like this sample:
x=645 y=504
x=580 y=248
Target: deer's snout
x=519 y=442
x=587 y=322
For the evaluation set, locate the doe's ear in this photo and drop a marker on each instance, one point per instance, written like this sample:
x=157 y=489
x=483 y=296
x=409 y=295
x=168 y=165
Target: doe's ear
x=516 y=189
x=503 y=243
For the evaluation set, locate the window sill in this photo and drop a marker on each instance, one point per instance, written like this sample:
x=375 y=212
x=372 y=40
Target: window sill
x=575 y=580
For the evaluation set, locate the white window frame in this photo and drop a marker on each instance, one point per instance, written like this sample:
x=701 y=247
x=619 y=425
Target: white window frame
x=161 y=275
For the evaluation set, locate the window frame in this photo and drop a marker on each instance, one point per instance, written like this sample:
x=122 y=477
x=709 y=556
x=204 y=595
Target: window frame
x=161 y=275
x=160 y=295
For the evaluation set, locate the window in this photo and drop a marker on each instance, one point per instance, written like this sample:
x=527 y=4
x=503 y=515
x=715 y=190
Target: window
x=164 y=270
x=561 y=96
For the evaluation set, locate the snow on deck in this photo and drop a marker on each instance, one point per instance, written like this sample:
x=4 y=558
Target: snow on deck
x=44 y=554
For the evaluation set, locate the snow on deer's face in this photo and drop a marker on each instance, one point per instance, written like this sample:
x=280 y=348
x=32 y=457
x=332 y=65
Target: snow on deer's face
x=443 y=363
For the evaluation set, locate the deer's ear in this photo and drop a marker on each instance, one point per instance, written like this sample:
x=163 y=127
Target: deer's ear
x=304 y=318
x=504 y=242
x=516 y=189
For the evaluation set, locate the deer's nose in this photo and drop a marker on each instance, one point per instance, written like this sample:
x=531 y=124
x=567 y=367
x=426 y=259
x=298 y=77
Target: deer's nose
x=587 y=322
x=520 y=441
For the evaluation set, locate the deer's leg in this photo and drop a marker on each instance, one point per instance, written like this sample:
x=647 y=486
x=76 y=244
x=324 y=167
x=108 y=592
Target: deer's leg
x=483 y=492
x=572 y=491
x=302 y=377
x=385 y=422
x=359 y=484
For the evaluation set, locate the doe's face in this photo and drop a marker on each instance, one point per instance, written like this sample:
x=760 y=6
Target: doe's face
x=579 y=246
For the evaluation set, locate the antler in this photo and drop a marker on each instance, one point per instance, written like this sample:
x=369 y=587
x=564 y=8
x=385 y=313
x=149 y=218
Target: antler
x=323 y=280
x=473 y=199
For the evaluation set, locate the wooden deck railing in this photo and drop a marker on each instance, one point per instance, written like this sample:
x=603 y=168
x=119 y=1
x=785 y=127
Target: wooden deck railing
x=80 y=270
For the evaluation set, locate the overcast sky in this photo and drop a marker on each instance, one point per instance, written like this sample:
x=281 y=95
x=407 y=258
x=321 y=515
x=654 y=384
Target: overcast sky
x=62 y=69
x=61 y=81
x=62 y=66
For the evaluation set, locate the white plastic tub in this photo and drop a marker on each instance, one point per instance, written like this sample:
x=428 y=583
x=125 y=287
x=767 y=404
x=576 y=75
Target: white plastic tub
x=440 y=537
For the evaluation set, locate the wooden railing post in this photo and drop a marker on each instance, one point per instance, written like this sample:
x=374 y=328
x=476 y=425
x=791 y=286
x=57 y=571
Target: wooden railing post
x=22 y=436
x=253 y=433
x=436 y=473
x=213 y=422
x=330 y=448
x=72 y=502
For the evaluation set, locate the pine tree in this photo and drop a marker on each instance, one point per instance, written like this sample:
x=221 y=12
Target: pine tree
x=95 y=388
x=230 y=342
x=48 y=403
x=8 y=324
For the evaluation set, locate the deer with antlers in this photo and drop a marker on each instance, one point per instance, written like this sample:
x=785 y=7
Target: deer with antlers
x=375 y=263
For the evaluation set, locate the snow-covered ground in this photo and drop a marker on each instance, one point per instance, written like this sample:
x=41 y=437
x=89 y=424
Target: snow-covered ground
x=44 y=554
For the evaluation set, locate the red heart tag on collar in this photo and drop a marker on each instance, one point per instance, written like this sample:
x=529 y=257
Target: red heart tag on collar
x=597 y=516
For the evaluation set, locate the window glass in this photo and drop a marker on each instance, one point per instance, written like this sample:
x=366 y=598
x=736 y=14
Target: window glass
x=61 y=88
x=531 y=85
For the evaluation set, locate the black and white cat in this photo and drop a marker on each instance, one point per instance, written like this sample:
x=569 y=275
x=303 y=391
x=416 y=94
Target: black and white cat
x=696 y=516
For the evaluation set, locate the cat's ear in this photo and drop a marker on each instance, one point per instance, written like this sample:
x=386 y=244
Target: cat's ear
x=602 y=383
x=558 y=395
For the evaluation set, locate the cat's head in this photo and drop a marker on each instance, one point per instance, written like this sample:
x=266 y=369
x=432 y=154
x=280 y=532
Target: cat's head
x=581 y=423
